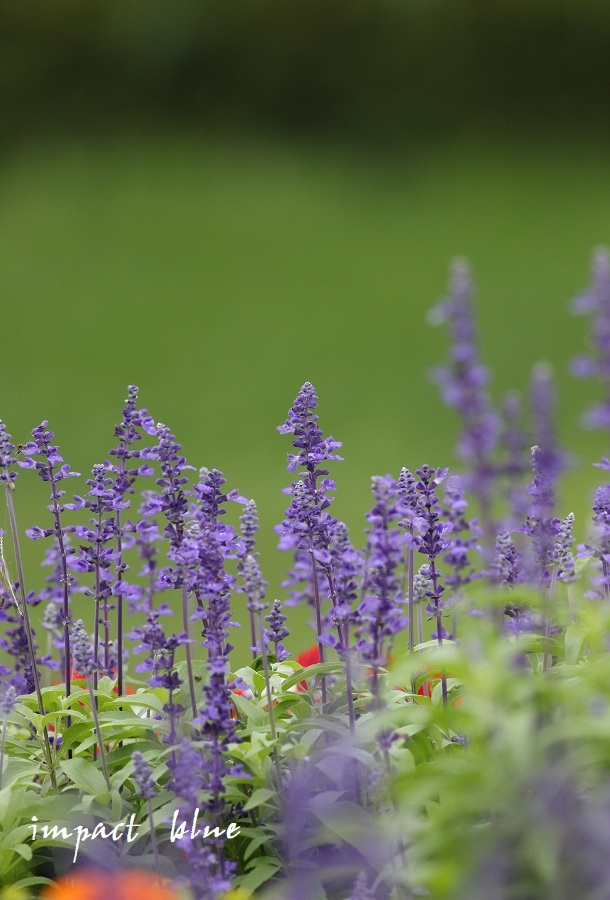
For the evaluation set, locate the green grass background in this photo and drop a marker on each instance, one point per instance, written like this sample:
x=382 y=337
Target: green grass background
x=220 y=273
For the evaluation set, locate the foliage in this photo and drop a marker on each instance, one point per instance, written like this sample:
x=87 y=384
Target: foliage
x=445 y=736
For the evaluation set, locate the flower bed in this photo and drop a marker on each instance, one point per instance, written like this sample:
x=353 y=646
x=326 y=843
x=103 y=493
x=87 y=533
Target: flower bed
x=445 y=735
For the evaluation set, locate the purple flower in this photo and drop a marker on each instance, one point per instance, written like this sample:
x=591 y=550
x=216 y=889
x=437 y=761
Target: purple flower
x=187 y=782
x=84 y=660
x=249 y=526
x=254 y=587
x=312 y=446
x=379 y=613
x=277 y=631
x=515 y=444
x=562 y=551
x=541 y=527
x=543 y=410
x=7 y=459
x=463 y=383
x=171 y=500
x=433 y=541
x=142 y=775
x=599 y=542
x=507 y=566
x=9 y=701
x=51 y=471
x=308 y=527
x=457 y=556
x=596 y=302
x=161 y=662
x=361 y=889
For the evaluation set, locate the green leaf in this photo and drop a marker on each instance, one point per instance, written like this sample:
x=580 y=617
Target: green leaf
x=259 y=797
x=262 y=869
x=310 y=672
x=255 y=715
x=84 y=775
x=574 y=639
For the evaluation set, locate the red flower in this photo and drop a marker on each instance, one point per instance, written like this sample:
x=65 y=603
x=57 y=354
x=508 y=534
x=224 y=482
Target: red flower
x=308 y=658
x=426 y=687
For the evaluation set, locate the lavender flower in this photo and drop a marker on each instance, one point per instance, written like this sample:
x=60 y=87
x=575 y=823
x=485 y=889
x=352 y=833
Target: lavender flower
x=146 y=789
x=8 y=701
x=457 y=556
x=254 y=587
x=142 y=775
x=463 y=383
x=308 y=526
x=249 y=526
x=507 y=567
x=48 y=470
x=541 y=527
x=596 y=301
x=277 y=631
x=361 y=889
x=379 y=613
x=543 y=409
x=187 y=782
x=7 y=705
x=515 y=444
x=161 y=661
x=599 y=543
x=562 y=552
x=83 y=651
x=432 y=543
x=104 y=500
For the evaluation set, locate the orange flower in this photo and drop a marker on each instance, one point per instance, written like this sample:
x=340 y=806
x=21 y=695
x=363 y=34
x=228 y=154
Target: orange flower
x=92 y=884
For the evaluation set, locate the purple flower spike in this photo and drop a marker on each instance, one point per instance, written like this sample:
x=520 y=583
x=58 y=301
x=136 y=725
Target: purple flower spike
x=308 y=527
x=142 y=775
x=596 y=302
x=507 y=568
x=433 y=543
x=543 y=409
x=277 y=631
x=463 y=383
x=361 y=889
x=458 y=554
x=379 y=613
x=313 y=448
x=540 y=525
x=82 y=650
x=562 y=552
x=51 y=471
x=515 y=444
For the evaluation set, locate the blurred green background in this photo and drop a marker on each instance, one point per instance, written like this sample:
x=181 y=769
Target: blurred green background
x=219 y=202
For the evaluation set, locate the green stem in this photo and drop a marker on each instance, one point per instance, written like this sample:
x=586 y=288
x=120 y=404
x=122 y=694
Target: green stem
x=46 y=744
x=187 y=646
x=98 y=730
x=276 y=760
x=4 y=727
x=316 y=595
x=153 y=839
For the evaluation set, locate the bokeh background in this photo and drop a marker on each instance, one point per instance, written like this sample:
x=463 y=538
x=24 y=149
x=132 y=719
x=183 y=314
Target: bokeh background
x=218 y=202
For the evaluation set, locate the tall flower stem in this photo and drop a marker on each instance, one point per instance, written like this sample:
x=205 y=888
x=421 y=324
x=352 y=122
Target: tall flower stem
x=411 y=607
x=187 y=647
x=46 y=744
x=153 y=838
x=266 y=674
x=548 y=593
x=316 y=597
x=98 y=730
